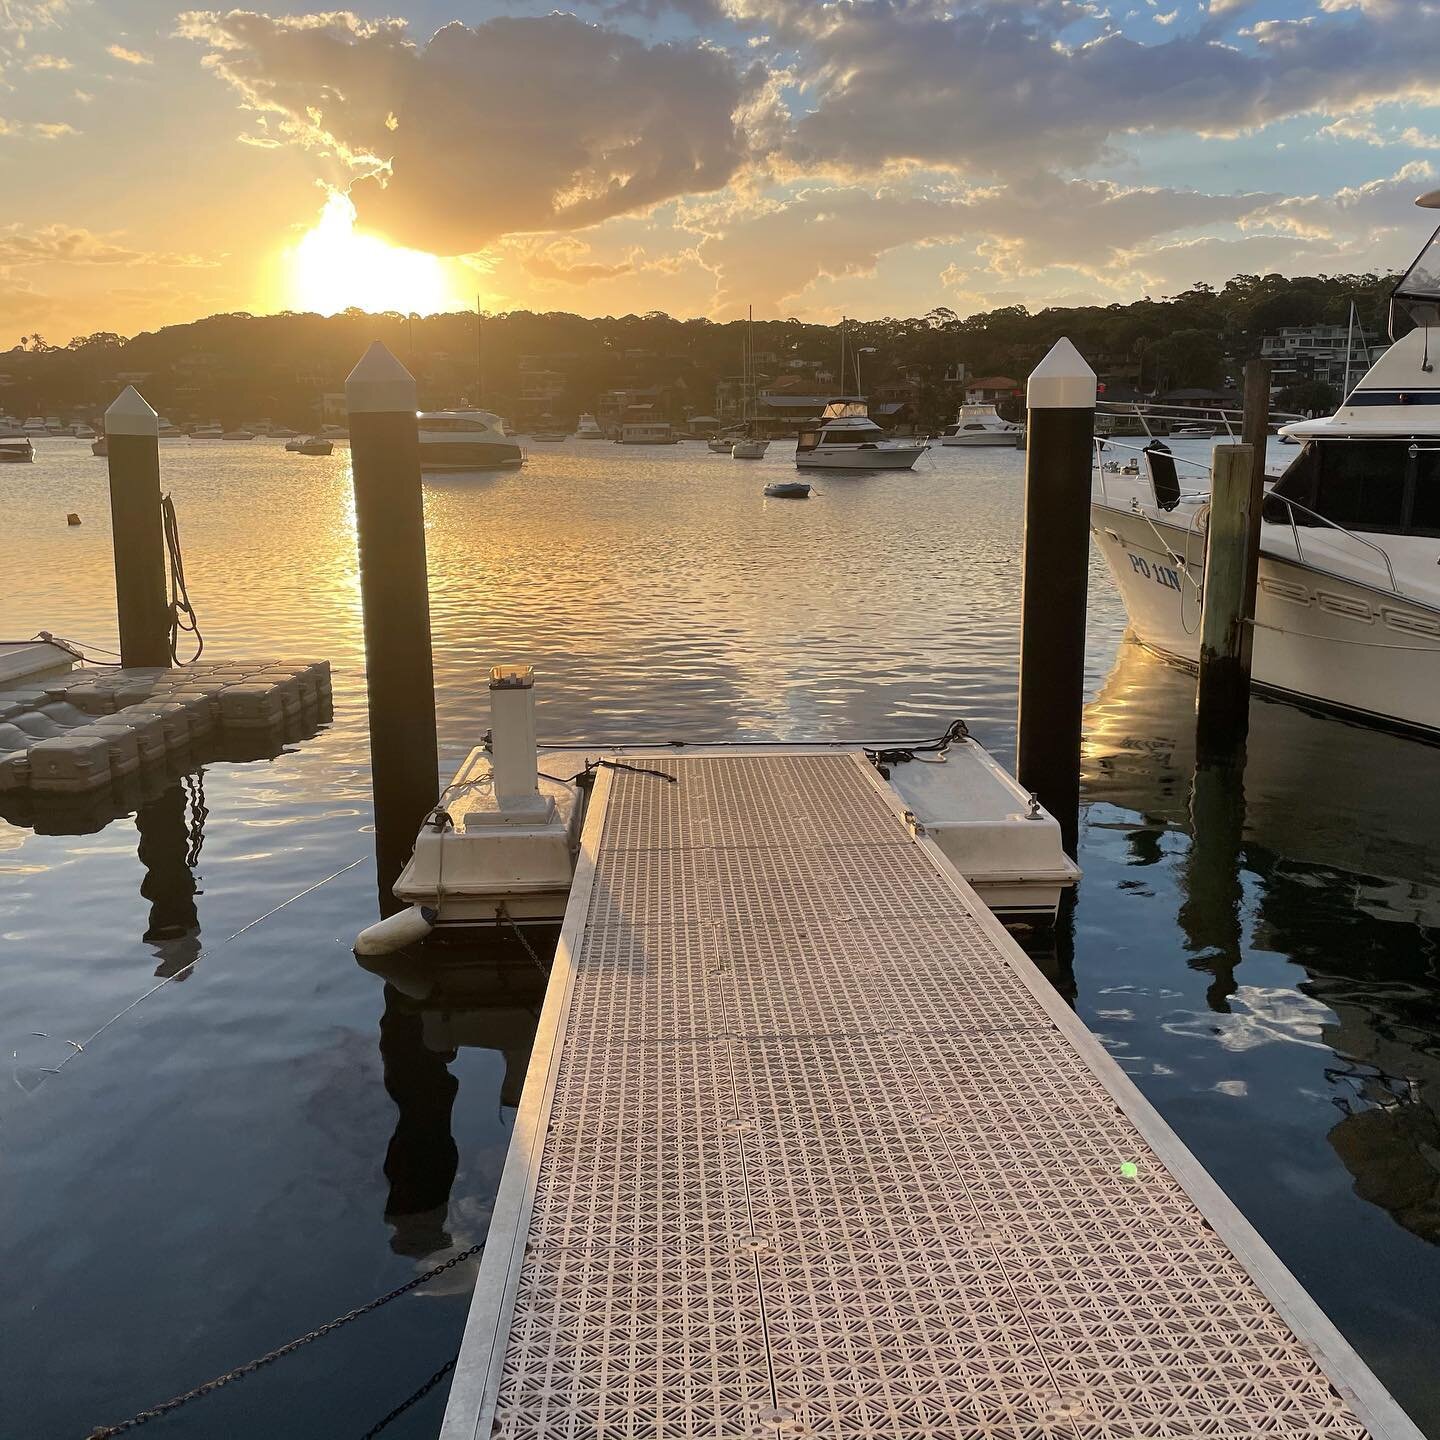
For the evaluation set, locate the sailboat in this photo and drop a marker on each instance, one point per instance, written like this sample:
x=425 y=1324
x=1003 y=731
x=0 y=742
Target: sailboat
x=751 y=446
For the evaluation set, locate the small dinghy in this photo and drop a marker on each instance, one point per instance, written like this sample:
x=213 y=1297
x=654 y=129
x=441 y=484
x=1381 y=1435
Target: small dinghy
x=788 y=490
x=314 y=446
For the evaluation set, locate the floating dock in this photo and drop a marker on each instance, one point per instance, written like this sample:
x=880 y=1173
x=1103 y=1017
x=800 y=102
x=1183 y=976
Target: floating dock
x=75 y=731
x=807 y=1147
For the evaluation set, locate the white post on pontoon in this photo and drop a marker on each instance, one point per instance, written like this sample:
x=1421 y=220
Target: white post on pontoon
x=512 y=739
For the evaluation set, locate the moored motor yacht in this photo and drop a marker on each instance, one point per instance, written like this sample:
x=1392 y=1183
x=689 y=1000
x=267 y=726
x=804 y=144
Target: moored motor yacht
x=982 y=425
x=465 y=440
x=589 y=428
x=1347 y=607
x=647 y=432
x=16 y=449
x=846 y=438
x=207 y=432
x=35 y=425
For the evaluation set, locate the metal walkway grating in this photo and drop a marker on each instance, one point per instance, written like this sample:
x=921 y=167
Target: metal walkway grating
x=808 y=1149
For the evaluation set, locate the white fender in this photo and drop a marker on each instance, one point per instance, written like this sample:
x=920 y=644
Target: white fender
x=408 y=927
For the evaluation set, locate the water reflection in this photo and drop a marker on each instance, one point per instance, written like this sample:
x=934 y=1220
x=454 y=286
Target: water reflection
x=436 y=1000
x=1316 y=847
x=172 y=830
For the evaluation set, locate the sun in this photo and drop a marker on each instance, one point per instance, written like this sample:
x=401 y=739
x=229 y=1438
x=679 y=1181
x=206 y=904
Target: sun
x=335 y=267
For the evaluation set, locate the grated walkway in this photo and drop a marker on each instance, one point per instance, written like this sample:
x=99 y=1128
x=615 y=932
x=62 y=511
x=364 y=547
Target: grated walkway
x=808 y=1148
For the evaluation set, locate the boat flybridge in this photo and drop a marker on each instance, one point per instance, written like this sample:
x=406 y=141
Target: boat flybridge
x=500 y=846
x=1347 y=607
x=459 y=440
x=982 y=425
x=846 y=438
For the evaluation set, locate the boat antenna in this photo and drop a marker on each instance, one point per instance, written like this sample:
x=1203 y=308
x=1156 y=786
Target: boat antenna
x=479 y=353
x=842 y=355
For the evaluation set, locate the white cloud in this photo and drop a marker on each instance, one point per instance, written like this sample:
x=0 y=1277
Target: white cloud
x=511 y=125
x=991 y=85
x=48 y=62
x=58 y=244
x=36 y=129
x=771 y=253
x=128 y=57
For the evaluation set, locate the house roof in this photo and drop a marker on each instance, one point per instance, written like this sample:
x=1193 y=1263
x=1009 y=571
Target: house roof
x=992 y=382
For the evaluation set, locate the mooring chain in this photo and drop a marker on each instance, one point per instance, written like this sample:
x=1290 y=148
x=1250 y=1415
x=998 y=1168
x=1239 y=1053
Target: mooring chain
x=102 y=1432
x=503 y=914
x=414 y=1399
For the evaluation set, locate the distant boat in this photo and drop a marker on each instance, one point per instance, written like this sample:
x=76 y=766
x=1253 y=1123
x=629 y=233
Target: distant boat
x=16 y=450
x=101 y=445
x=238 y=435
x=589 y=428
x=314 y=445
x=282 y=433
x=36 y=425
x=84 y=432
x=1194 y=432
x=749 y=449
x=207 y=432
x=788 y=490
x=846 y=438
x=466 y=440
x=647 y=432
x=168 y=429
x=722 y=444
x=334 y=432
x=981 y=425
x=550 y=436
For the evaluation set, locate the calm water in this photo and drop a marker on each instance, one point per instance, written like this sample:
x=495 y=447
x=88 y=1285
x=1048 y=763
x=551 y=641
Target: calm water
x=280 y=1136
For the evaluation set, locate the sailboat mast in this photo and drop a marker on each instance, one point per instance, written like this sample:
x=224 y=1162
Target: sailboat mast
x=1349 y=344
x=842 y=355
x=479 y=361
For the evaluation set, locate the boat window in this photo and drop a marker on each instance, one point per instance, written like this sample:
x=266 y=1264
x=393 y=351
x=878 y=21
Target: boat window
x=974 y=427
x=1356 y=484
x=1425 y=506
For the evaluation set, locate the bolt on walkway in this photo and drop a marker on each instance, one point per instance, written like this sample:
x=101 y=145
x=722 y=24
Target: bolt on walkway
x=807 y=1147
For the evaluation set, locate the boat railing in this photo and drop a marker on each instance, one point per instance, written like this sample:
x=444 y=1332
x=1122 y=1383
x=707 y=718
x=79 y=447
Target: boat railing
x=1218 y=415
x=1103 y=444
x=1293 y=505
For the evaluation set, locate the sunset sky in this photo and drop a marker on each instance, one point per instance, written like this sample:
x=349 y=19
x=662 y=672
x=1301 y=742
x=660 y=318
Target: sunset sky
x=695 y=156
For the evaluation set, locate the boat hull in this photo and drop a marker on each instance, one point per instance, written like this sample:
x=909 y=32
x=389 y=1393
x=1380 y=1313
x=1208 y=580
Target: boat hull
x=858 y=457
x=967 y=442
x=437 y=457
x=1319 y=637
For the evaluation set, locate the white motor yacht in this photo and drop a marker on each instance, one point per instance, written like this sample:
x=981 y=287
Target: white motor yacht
x=589 y=428
x=16 y=449
x=208 y=432
x=1347 y=609
x=846 y=438
x=84 y=432
x=36 y=425
x=982 y=425
x=465 y=440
